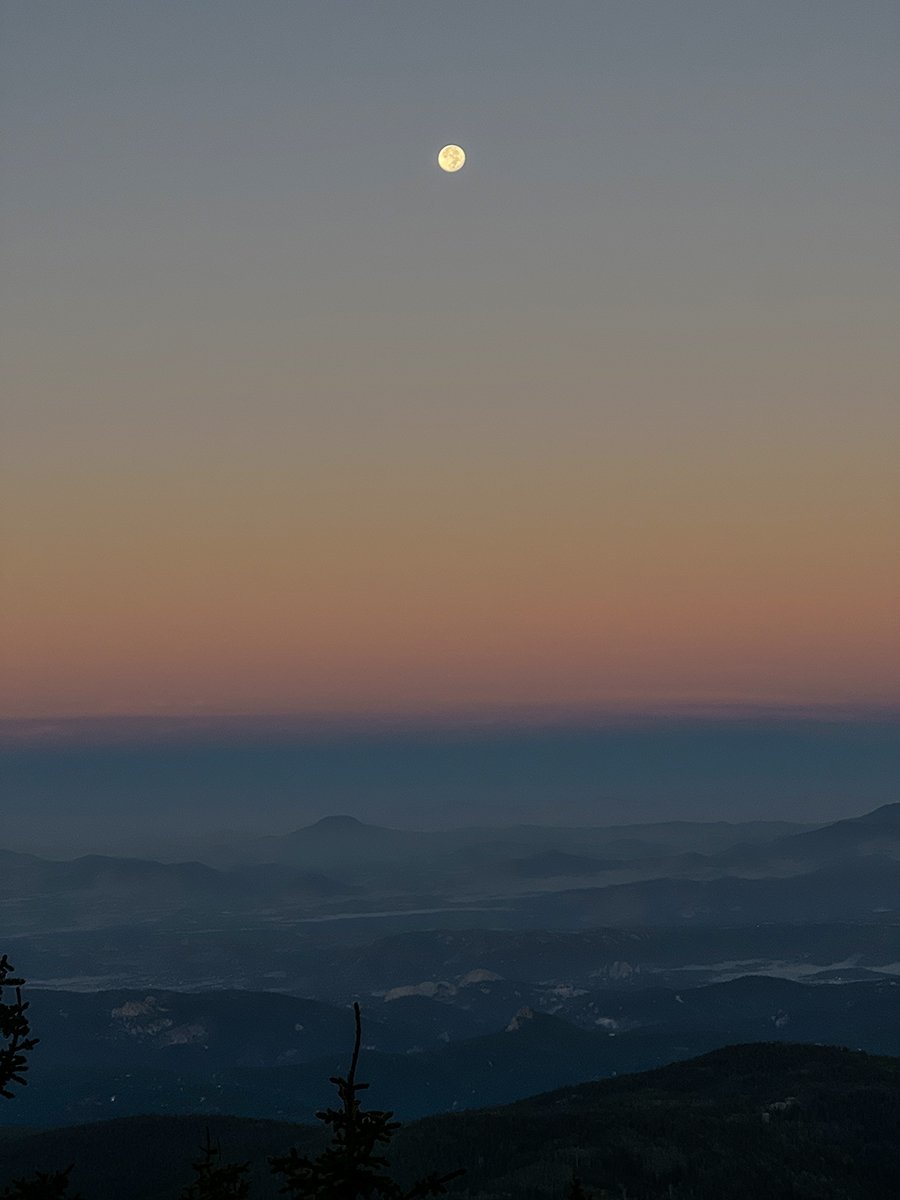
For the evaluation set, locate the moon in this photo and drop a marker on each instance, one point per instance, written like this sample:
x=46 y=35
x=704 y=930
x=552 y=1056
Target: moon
x=451 y=158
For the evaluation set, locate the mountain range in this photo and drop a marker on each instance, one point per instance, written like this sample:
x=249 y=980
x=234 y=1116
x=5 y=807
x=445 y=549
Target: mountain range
x=739 y=1123
x=478 y=1040
x=523 y=877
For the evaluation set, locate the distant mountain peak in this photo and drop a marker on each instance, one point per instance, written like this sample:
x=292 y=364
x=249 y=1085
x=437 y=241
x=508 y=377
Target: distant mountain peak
x=338 y=823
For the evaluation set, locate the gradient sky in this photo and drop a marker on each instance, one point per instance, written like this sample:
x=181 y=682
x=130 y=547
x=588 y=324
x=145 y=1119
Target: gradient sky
x=293 y=422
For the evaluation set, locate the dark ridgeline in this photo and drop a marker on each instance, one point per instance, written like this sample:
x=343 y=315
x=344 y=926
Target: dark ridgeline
x=742 y=1122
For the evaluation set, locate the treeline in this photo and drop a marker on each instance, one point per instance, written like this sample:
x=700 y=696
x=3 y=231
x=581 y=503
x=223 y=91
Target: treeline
x=772 y=1120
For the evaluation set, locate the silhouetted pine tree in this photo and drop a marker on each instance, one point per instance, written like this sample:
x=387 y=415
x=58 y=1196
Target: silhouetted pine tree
x=351 y=1167
x=215 y=1180
x=14 y=1031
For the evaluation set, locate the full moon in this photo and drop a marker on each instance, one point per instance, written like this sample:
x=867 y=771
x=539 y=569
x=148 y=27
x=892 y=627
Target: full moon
x=451 y=158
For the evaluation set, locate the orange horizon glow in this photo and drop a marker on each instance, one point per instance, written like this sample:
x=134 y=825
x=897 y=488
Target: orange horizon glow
x=293 y=595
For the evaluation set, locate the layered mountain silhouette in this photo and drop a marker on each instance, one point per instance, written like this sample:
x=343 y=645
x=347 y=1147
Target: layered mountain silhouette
x=131 y=1052
x=852 y=888
x=742 y=1122
x=521 y=878
x=49 y=893
x=554 y=863
x=876 y=833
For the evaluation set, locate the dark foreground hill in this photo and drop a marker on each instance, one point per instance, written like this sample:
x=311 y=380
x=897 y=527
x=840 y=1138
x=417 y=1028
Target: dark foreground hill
x=766 y=1120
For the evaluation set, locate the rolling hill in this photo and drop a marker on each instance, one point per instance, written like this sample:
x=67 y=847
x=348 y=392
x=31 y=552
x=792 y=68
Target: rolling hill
x=469 y=1044
x=740 y=1123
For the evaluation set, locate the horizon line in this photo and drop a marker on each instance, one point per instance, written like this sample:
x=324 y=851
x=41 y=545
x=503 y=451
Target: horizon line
x=22 y=731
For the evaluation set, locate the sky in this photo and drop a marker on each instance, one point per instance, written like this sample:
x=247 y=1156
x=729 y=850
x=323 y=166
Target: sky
x=296 y=423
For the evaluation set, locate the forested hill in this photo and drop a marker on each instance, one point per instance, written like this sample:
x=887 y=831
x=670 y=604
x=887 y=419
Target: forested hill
x=744 y=1122
x=769 y=1120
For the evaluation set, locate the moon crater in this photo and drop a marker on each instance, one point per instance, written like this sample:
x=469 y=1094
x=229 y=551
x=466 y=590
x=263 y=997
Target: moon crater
x=451 y=158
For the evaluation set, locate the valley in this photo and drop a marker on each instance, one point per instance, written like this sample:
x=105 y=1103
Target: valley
x=191 y=987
